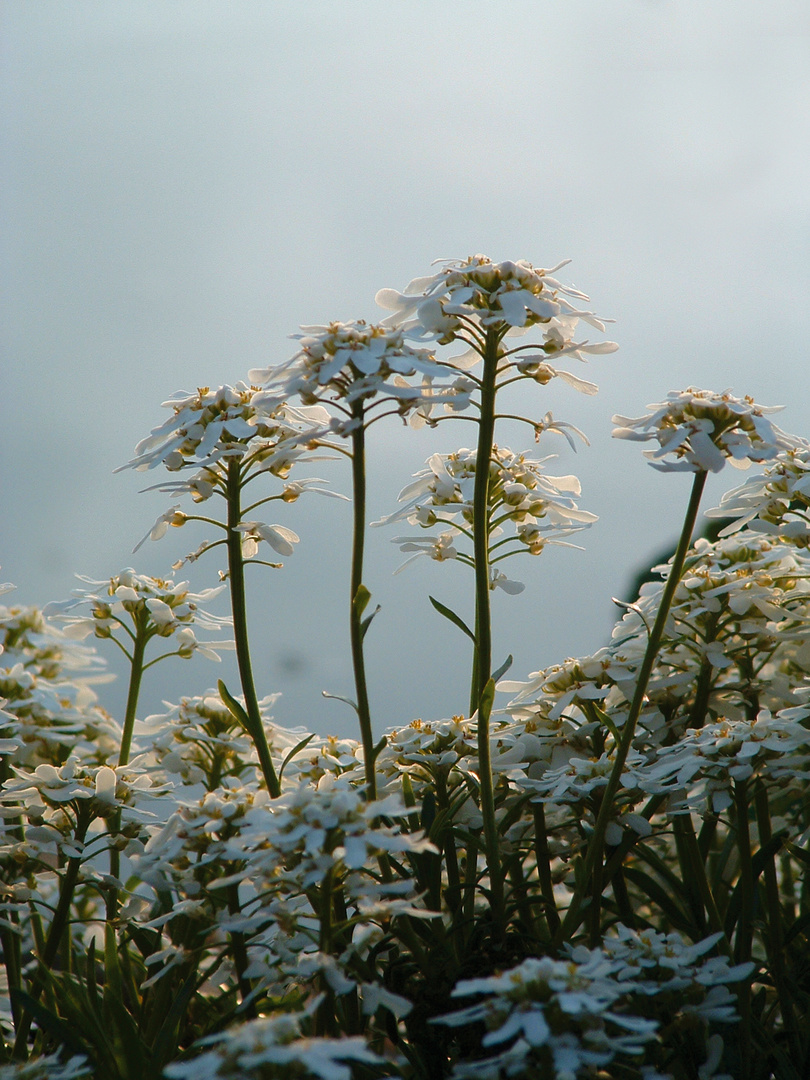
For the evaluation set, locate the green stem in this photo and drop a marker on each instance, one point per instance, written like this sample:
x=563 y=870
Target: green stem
x=745 y=921
x=236 y=579
x=742 y=943
x=693 y=871
x=543 y=857
x=597 y=842
x=775 y=943
x=54 y=938
x=358 y=436
x=483 y=691
x=136 y=670
x=135 y=675
x=486 y=438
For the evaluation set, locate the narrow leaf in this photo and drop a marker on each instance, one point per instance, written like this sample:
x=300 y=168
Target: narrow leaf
x=360 y=601
x=48 y=1021
x=366 y=623
x=338 y=697
x=299 y=746
x=486 y=703
x=234 y=707
x=502 y=670
x=456 y=620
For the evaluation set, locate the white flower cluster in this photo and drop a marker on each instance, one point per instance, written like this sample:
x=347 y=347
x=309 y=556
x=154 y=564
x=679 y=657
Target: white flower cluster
x=200 y=740
x=212 y=426
x=233 y=424
x=556 y=1017
x=561 y=1017
x=273 y=1046
x=702 y=430
x=58 y=805
x=477 y=292
x=348 y=362
x=46 y=685
x=157 y=606
x=328 y=829
x=770 y=748
x=542 y=508
x=775 y=503
x=49 y=1067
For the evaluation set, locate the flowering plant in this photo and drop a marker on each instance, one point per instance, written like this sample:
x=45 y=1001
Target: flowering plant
x=604 y=877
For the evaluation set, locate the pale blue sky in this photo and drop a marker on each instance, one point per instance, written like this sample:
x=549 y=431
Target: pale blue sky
x=184 y=184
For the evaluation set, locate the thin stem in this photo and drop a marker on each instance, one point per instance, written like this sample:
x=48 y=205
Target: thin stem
x=358 y=436
x=597 y=842
x=774 y=941
x=135 y=675
x=483 y=623
x=57 y=928
x=236 y=580
x=543 y=857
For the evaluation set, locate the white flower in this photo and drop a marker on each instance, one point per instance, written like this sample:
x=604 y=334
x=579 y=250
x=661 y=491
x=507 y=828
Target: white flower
x=348 y=362
x=278 y=537
x=486 y=293
x=571 y=1007
x=273 y=1045
x=701 y=430
x=776 y=502
x=232 y=421
x=47 y=1068
x=155 y=606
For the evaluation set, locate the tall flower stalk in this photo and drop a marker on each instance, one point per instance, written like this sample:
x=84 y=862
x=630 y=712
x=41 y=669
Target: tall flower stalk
x=479 y=303
x=229 y=437
x=590 y=878
x=359 y=371
x=697 y=431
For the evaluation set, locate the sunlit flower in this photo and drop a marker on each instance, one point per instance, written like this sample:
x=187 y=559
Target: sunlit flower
x=273 y=1045
x=278 y=537
x=564 y=1014
x=476 y=289
x=776 y=502
x=542 y=508
x=154 y=606
x=350 y=362
x=701 y=430
x=232 y=421
x=701 y=767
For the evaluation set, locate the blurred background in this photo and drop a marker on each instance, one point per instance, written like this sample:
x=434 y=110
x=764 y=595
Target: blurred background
x=183 y=184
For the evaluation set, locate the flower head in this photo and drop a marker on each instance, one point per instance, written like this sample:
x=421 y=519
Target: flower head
x=701 y=430
x=273 y=1046
x=541 y=508
x=232 y=421
x=156 y=607
x=350 y=362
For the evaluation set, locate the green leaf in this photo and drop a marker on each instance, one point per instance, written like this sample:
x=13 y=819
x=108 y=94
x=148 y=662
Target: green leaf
x=299 y=746
x=456 y=620
x=112 y=972
x=486 y=703
x=366 y=623
x=90 y=973
x=428 y=815
x=48 y=1021
x=502 y=670
x=798 y=853
x=165 y=1044
x=345 y=700
x=235 y=708
x=659 y=895
x=360 y=601
x=604 y=719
